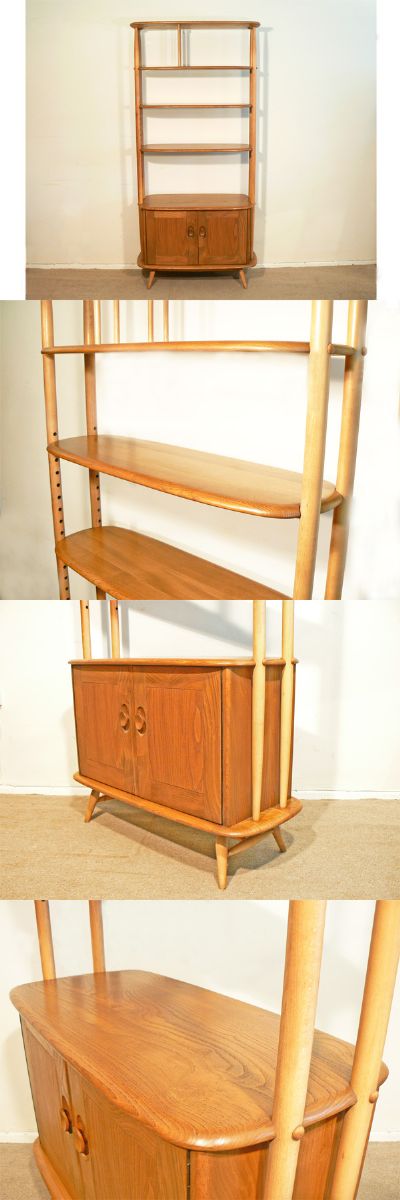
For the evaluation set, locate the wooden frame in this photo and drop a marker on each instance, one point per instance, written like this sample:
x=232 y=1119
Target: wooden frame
x=287 y=1172
x=128 y=565
x=199 y=203
x=229 y=839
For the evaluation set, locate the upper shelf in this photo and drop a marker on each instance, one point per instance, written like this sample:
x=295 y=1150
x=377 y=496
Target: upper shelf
x=195 y=25
x=189 y=105
x=194 y=474
x=205 y=1044
x=204 y=67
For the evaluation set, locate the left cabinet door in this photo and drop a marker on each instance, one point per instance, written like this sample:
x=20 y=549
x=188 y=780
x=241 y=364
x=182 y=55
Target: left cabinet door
x=52 y=1103
x=103 y=699
x=171 y=238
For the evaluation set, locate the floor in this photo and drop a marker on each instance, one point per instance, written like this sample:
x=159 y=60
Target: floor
x=278 y=283
x=20 y=1179
x=335 y=848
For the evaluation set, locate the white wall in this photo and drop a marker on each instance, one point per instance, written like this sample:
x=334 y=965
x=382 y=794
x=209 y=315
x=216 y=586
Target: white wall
x=193 y=941
x=316 y=127
x=248 y=406
x=347 y=683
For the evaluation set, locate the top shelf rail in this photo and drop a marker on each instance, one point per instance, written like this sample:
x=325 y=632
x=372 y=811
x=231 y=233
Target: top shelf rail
x=195 y=24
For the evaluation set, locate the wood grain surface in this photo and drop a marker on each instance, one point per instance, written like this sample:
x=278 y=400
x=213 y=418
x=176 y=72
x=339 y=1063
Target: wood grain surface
x=138 y=1038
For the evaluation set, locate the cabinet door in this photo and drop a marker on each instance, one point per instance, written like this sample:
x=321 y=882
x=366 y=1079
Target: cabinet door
x=103 y=713
x=171 y=239
x=222 y=238
x=123 y=1160
x=52 y=1103
x=177 y=726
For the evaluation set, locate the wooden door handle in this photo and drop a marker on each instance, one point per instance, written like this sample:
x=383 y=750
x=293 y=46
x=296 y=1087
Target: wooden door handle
x=80 y=1139
x=202 y=231
x=124 y=719
x=140 y=720
x=191 y=231
x=66 y=1120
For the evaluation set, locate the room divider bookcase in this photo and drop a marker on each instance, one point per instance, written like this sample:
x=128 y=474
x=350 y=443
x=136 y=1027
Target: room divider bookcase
x=130 y=565
x=200 y=232
x=207 y=743
x=147 y=1086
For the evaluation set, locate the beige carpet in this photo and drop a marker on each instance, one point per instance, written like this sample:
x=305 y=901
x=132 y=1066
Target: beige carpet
x=279 y=283
x=20 y=1179
x=335 y=848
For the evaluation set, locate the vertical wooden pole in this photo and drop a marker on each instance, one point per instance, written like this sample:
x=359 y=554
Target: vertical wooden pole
x=150 y=320
x=299 y=1002
x=97 y=935
x=97 y=321
x=50 y=399
x=91 y=335
x=114 y=622
x=286 y=700
x=375 y=1012
x=258 y=705
x=166 y=320
x=252 y=127
x=352 y=392
x=85 y=627
x=179 y=36
x=116 y=320
x=314 y=451
x=139 y=116
x=43 y=923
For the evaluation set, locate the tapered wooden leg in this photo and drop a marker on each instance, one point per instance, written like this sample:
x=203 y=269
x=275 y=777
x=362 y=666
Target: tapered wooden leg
x=221 y=852
x=91 y=805
x=243 y=279
x=276 y=833
x=151 y=279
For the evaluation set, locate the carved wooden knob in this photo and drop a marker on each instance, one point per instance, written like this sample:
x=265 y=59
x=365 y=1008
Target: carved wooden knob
x=124 y=717
x=191 y=231
x=66 y=1123
x=80 y=1141
x=140 y=720
x=202 y=231
x=373 y=1097
x=298 y=1133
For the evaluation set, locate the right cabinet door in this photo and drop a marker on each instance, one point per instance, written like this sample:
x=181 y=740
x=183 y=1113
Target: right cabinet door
x=222 y=238
x=103 y=713
x=177 y=730
x=171 y=238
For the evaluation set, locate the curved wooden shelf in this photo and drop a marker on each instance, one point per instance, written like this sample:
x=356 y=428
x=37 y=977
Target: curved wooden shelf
x=119 y=1029
x=196 y=201
x=270 y=818
x=221 y=482
x=259 y=347
x=195 y=24
x=196 y=148
x=204 y=67
x=189 y=105
x=130 y=566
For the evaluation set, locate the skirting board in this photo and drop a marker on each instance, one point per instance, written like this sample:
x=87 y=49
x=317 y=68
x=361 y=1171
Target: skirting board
x=7 y=789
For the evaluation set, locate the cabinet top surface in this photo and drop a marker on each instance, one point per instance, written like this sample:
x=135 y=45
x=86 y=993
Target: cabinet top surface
x=141 y=1038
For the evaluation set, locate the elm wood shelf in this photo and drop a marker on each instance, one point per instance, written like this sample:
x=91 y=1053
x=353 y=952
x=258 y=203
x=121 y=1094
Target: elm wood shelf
x=194 y=474
x=196 y=201
x=195 y=148
x=222 y=238
x=148 y=1086
x=195 y=25
x=210 y=1046
x=131 y=566
x=118 y=557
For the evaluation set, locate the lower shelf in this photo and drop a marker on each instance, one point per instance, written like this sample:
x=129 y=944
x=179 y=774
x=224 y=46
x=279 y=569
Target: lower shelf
x=130 y=566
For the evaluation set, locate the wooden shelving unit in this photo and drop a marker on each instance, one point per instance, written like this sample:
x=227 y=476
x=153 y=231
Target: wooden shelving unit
x=203 y=1096
x=195 y=232
x=206 y=743
x=130 y=565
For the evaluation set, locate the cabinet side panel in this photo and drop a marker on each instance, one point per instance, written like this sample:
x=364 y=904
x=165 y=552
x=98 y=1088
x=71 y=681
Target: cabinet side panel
x=237 y=1175
x=236 y=735
x=318 y=1150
